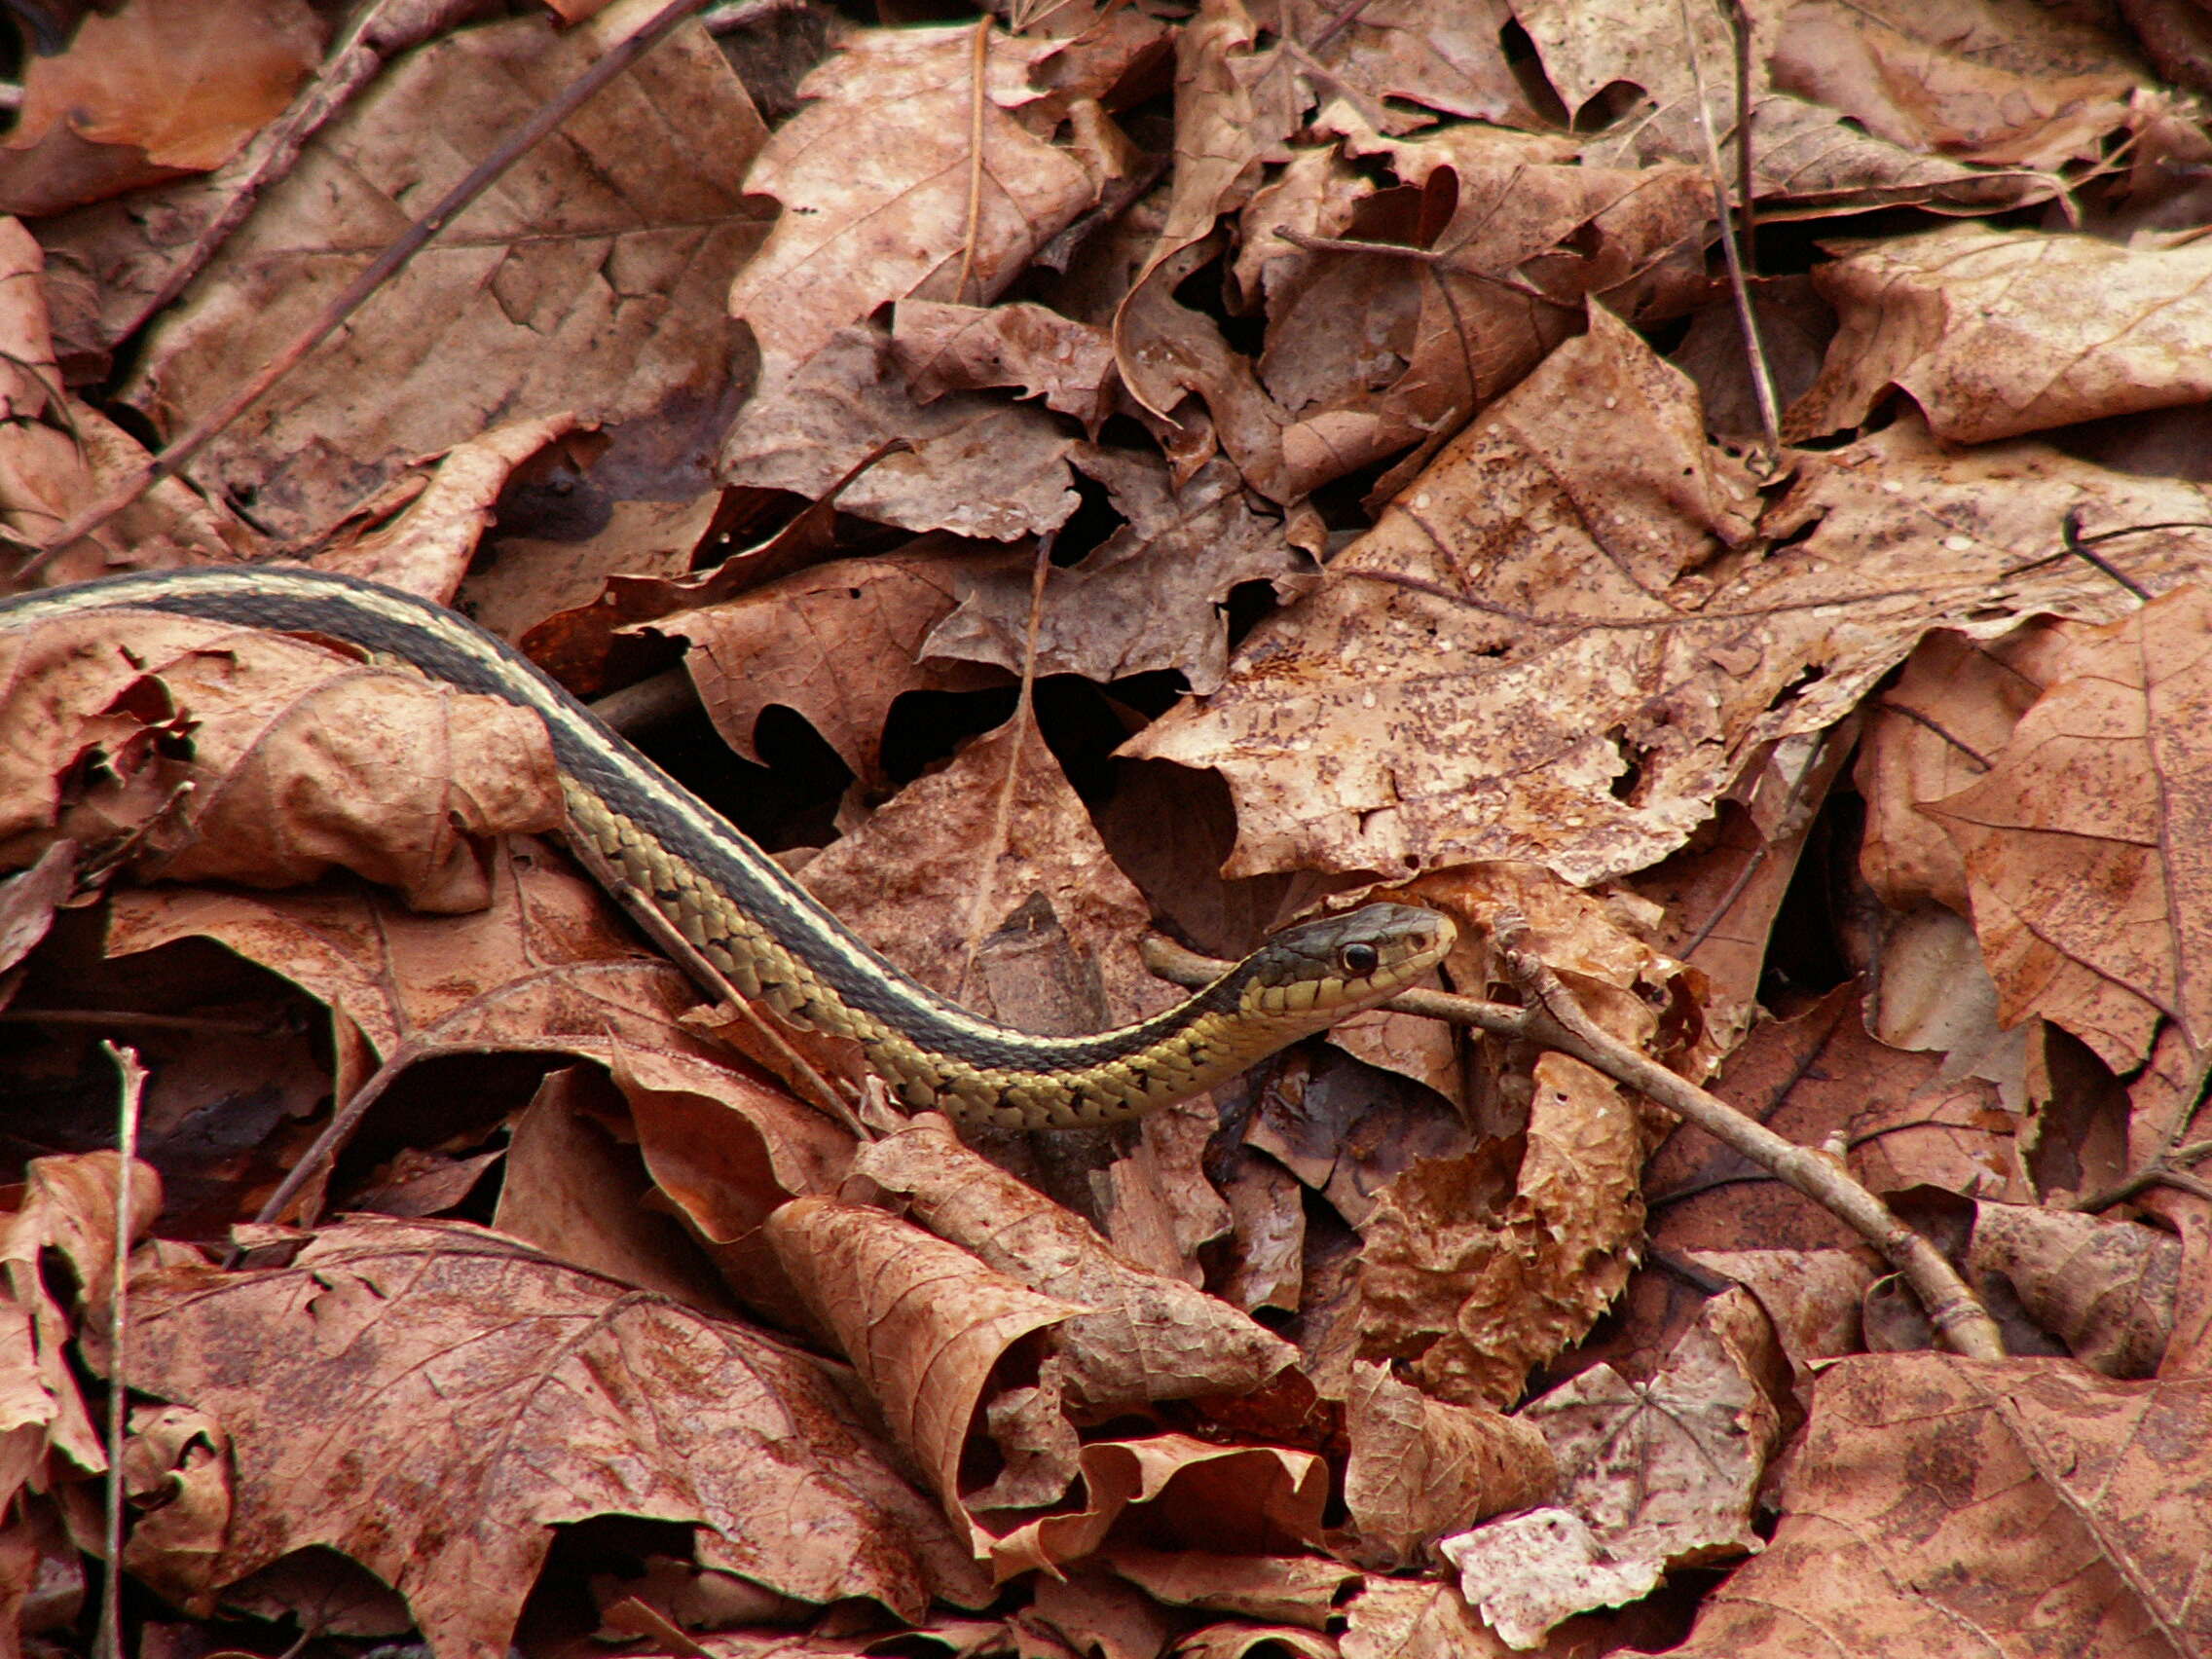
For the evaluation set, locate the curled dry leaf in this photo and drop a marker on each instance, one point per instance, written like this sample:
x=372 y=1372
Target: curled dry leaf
x=592 y=282
x=2028 y=1499
x=1154 y=595
x=2000 y=85
x=304 y=757
x=1996 y=333
x=1238 y=1641
x=2106 y=1288
x=926 y=1324
x=2081 y=843
x=1245 y=1499
x=1477 y=1267
x=177 y=1469
x=949 y=348
x=1143 y=1338
x=68 y=1206
x=433 y=1400
x=1299 y=1590
x=873 y=174
x=1546 y=650
x=1420 y=1468
x=1811 y=1298
x=973 y=465
x=1937 y=731
x=839 y=643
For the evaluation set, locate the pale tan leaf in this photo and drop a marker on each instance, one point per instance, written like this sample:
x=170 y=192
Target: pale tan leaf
x=2106 y=1288
x=1400 y=1618
x=1300 y=1590
x=2042 y=1506
x=949 y=348
x=1420 y=1468
x=1995 y=333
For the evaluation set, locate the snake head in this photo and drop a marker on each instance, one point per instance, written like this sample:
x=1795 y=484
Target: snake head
x=1322 y=970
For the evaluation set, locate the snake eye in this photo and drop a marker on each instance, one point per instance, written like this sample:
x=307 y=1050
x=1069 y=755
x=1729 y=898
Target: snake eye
x=1359 y=959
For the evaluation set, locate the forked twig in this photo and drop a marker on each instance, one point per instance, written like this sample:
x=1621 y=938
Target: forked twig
x=1554 y=1020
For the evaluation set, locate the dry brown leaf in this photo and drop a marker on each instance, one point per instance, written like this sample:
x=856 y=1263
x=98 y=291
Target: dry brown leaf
x=159 y=88
x=1811 y=1298
x=975 y=464
x=1819 y=1078
x=1935 y=732
x=2081 y=844
x=569 y=1188
x=425 y=548
x=1098 y=1614
x=1545 y=649
x=1399 y=1618
x=1420 y=1469
x=1477 y=1267
x=1445 y=58
x=1145 y=1337
x=433 y=1400
x=1299 y=1590
x=945 y=348
x=838 y=644
x=1154 y=595
x=1808 y=157
x=592 y=282
x=2106 y=1288
x=1243 y=1499
x=2039 y=1506
x=1995 y=333
x=874 y=177
x=303 y=757
x=543 y=969
x=67 y=1206
x=925 y=1324
x=1061 y=922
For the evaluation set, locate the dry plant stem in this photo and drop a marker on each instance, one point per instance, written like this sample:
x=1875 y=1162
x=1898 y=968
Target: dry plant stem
x=709 y=979
x=1421 y=255
x=2165 y=1169
x=109 y=1643
x=1555 y=1022
x=373 y=276
x=2069 y=532
x=1001 y=815
x=1762 y=380
x=354 y=62
x=338 y=1132
x=979 y=67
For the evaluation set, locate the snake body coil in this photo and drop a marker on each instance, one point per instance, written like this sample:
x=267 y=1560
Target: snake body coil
x=768 y=936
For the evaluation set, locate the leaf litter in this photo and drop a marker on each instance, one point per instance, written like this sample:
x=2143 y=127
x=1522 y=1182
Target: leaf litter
x=1050 y=475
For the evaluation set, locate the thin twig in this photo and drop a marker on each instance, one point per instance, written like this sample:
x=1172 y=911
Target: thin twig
x=1345 y=16
x=1001 y=815
x=1747 y=190
x=374 y=275
x=2070 y=532
x=978 y=72
x=1555 y=1021
x=1762 y=377
x=1449 y=261
x=109 y=1643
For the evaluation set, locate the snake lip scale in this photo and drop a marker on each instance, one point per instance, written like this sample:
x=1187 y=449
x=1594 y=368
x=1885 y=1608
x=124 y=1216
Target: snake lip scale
x=767 y=935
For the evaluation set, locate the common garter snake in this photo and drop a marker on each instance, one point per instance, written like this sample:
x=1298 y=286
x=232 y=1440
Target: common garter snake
x=767 y=935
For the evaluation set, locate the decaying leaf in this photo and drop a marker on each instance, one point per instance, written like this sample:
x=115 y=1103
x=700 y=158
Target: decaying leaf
x=1420 y=1469
x=2027 y=1498
x=433 y=1400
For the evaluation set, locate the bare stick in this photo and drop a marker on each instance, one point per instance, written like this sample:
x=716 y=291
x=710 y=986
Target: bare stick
x=1001 y=815
x=109 y=1643
x=1763 y=381
x=373 y=276
x=1554 y=1020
